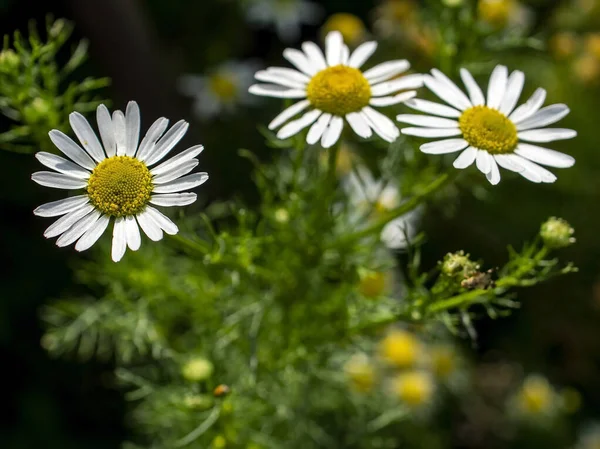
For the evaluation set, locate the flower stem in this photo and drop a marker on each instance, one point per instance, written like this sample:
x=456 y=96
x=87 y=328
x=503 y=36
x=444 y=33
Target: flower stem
x=405 y=207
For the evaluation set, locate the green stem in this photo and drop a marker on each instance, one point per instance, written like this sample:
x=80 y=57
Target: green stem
x=405 y=207
x=194 y=245
x=332 y=164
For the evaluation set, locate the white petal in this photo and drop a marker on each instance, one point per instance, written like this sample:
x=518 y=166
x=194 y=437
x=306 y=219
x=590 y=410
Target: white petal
x=459 y=94
x=433 y=108
x=359 y=125
x=494 y=175
x=167 y=142
x=288 y=114
x=296 y=126
x=317 y=129
x=484 y=161
x=514 y=87
x=177 y=160
x=443 y=92
x=389 y=101
x=547 y=134
x=270 y=77
x=86 y=136
x=444 y=146
x=333 y=48
x=545 y=116
x=132 y=126
x=132 y=233
x=333 y=132
x=107 y=130
x=66 y=221
x=314 y=55
x=119 y=242
x=291 y=74
x=271 y=90
x=386 y=70
x=497 y=86
x=381 y=124
x=432 y=132
x=174 y=199
x=70 y=149
x=545 y=156
x=402 y=83
x=58 y=180
x=473 y=88
x=62 y=165
x=177 y=172
x=61 y=207
x=345 y=55
x=361 y=54
x=150 y=228
x=534 y=172
x=300 y=61
x=466 y=158
x=162 y=221
x=427 y=121
x=152 y=135
x=508 y=162
x=78 y=229
x=184 y=183
x=530 y=107
x=92 y=235
x=120 y=132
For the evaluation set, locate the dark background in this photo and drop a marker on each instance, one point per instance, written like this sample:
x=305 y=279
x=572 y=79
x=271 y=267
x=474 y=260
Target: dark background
x=143 y=46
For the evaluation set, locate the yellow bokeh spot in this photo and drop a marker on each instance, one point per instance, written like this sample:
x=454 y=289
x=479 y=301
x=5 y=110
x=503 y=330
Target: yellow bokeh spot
x=571 y=399
x=351 y=27
x=563 y=45
x=488 y=129
x=496 y=13
x=223 y=86
x=587 y=69
x=339 y=90
x=443 y=361
x=400 y=10
x=536 y=395
x=360 y=372
x=592 y=45
x=373 y=284
x=400 y=348
x=413 y=388
x=120 y=186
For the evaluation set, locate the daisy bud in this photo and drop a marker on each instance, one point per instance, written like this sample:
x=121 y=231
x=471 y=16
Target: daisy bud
x=197 y=369
x=400 y=348
x=414 y=388
x=459 y=264
x=9 y=60
x=557 y=233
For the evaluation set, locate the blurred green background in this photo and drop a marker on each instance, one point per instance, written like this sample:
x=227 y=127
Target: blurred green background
x=144 y=46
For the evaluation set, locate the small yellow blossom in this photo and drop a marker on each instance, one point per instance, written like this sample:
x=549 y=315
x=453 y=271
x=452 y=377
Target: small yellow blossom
x=197 y=369
x=414 y=388
x=563 y=45
x=373 y=284
x=219 y=442
x=360 y=372
x=400 y=348
x=536 y=396
x=352 y=28
x=496 y=13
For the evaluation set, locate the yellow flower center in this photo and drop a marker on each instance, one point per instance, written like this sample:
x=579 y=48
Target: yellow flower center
x=400 y=348
x=223 y=86
x=414 y=388
x=339 y=90
x=536 y=395
x=120 y=186
x=489 y=130
x=373 y=284
x=495 y=12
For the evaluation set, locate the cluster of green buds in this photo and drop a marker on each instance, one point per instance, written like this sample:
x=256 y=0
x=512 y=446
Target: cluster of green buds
x=459 y=265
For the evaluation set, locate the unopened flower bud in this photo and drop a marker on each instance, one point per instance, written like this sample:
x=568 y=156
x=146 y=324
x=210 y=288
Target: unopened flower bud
x=459 y=264
x=197 y=369
x=557 y=233
x=9 y=60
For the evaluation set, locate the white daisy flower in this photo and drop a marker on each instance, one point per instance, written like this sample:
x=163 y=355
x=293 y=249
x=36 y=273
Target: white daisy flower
x=221 y=90
x=117 y=180
x=286 y=16
x=373 y=198
x=492 y=132
x=333 y=88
